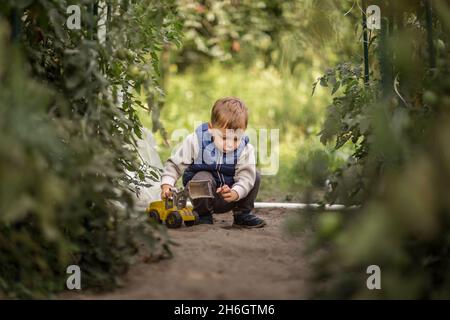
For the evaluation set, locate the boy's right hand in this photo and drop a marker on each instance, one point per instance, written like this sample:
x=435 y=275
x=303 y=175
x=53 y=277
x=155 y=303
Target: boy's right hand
x=165 y=191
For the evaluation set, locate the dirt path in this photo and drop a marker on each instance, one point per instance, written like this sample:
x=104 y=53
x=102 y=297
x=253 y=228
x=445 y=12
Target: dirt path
x=219 y=262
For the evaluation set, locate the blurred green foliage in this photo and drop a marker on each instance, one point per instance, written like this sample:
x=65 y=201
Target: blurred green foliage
x=68 y=124
x=284 y=34
x=399 y=125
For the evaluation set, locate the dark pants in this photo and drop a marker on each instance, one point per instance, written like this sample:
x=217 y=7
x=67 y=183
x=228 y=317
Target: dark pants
x=218 y=204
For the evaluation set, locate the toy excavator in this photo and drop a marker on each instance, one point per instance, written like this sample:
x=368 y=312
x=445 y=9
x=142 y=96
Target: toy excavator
x=173 y=210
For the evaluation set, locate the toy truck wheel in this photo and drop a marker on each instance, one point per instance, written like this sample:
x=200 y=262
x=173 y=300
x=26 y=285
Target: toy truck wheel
x=196 y=221
x=174 y=220
x=154 y=216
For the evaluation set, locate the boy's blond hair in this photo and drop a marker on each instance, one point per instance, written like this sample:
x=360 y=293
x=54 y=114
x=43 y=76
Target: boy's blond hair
x=229 y=113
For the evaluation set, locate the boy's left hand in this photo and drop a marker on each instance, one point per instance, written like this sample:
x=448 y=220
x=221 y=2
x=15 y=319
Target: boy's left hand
x=228 y=194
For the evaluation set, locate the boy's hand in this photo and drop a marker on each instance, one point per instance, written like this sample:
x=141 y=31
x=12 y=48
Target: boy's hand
x=228 y=194
x=165 y=191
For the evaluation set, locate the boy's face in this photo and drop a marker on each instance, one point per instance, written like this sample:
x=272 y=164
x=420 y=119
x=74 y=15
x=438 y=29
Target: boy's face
x=226 y=140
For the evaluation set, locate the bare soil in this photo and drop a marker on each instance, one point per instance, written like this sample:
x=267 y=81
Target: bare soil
x=220 y=262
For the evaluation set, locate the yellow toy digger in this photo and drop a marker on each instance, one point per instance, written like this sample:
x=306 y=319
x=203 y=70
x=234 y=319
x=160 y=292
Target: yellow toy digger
x=173 y=210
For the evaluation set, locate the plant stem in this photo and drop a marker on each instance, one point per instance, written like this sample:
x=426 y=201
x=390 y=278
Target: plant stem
x=429 y=17
x=365 y=44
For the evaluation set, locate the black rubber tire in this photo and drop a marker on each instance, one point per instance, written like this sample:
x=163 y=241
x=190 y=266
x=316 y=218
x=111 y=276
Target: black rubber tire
x=192 y=223
x=174 y=220
x=153 y=215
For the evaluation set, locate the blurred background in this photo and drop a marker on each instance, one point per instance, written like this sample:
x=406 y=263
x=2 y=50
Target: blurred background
x=362 y=114
x=269 y=54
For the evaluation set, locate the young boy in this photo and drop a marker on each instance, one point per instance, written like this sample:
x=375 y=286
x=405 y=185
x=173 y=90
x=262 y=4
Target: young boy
x=220 y=152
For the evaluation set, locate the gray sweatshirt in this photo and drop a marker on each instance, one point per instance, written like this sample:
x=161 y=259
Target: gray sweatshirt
x=245 y=169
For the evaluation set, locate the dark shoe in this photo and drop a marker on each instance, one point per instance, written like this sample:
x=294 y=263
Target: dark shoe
x=205 y=219
x=247 y=220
